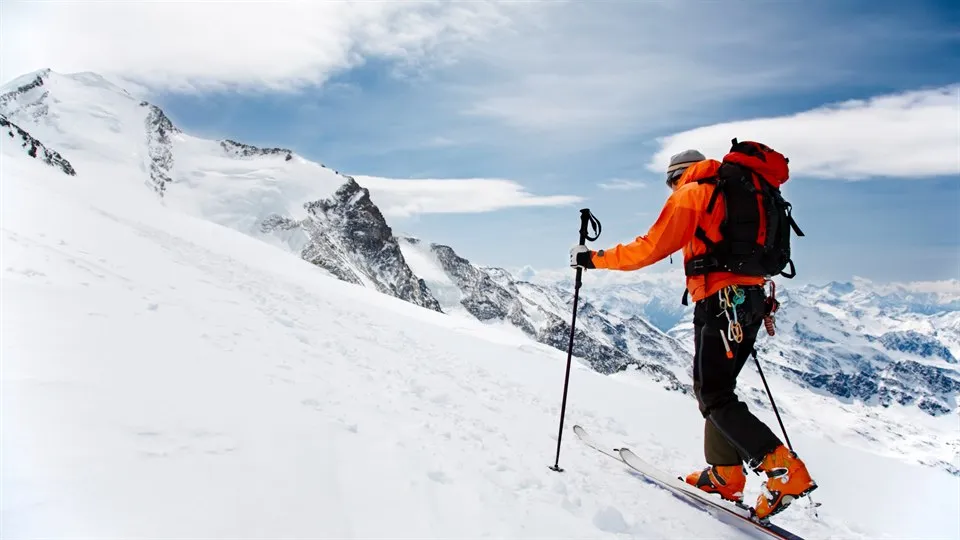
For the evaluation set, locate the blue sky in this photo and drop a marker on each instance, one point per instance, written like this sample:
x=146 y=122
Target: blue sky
x=563 y=98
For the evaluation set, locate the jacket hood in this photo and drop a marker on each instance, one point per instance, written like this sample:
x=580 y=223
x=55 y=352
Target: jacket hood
x=698 y=171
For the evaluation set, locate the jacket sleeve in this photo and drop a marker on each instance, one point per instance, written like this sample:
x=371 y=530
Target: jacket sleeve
x=673 y=229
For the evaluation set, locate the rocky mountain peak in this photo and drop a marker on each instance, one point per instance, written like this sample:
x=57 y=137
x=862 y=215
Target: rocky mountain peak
x=323 y=216
x=350 y=238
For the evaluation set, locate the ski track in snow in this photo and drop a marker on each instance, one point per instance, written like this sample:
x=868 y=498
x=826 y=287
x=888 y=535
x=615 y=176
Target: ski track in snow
x=167 y=377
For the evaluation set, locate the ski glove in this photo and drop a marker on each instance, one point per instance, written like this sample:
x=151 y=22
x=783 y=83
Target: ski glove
x=580 y=257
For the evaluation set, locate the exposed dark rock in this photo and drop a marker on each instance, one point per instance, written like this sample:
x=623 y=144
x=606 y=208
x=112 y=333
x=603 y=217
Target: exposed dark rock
x=158 y=129
x=932 y=389
x=492 y=294
x=246 y=150
x=35 y=148
x=914 y=342
x=350 y=238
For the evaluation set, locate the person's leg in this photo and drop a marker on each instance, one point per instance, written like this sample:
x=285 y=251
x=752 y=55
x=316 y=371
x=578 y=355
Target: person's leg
x=725 y=474
x=717 y=450
x=754 y=442
x=749 y=437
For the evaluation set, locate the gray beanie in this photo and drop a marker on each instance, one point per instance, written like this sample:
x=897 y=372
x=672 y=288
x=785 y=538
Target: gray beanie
x=681 y=161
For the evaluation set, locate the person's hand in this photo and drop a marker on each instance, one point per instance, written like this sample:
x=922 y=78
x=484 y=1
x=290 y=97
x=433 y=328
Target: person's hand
x=580 y=257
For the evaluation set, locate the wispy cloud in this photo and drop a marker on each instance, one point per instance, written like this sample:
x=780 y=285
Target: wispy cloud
x=908 y=135
x=216 y=45
x=591 y=73
x=405 y=198
x=619 y=184
x=440 y=141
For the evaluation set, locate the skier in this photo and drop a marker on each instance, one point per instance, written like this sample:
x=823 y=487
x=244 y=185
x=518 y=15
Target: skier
x=730 y=308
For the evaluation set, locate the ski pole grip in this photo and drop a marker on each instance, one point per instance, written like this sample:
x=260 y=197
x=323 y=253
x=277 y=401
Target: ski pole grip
x=584 y=223
x=587 y=219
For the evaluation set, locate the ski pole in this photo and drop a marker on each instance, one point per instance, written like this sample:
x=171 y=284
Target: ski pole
x=770 y=396
x=777 y=413
x=586 y=218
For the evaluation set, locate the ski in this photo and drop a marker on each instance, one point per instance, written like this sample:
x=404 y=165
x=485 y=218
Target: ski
x=739 y=516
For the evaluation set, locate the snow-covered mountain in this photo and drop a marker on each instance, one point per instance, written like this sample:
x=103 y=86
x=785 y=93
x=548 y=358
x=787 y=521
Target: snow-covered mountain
x=869 y=343
x=326 y=217
x=859 y=343
x=270 y=193
x=869 y=377
x=607 y=342
x=859 y=340
x=167 y=377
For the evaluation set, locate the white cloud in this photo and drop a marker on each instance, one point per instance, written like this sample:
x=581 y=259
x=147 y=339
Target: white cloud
x=619 y=184
x=404 y=198
x=262 y=45
x=909 y=135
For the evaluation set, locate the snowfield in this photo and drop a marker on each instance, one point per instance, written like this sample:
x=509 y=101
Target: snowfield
x=164 y=376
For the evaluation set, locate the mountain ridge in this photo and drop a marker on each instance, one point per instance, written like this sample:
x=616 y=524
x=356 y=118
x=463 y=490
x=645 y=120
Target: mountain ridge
x=491 y=294
x=302 y=205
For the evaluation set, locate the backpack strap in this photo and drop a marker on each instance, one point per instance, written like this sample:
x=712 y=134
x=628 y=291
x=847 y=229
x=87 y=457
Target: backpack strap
x=701 y=235
x=793 y=271
x=716 y=180
x=704 y=264
x=793 y=223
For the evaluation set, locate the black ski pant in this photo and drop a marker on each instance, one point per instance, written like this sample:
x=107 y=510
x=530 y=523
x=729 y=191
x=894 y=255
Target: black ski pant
x=732 y=434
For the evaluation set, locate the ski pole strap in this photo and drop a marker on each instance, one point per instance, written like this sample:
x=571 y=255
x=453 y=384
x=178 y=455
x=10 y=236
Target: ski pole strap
x=587 y=219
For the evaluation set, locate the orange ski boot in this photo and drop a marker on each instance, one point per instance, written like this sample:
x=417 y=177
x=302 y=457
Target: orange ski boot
x=726 y=480
x=787 y=480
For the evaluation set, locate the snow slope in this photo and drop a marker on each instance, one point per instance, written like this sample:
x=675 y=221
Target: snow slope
x=164 y=376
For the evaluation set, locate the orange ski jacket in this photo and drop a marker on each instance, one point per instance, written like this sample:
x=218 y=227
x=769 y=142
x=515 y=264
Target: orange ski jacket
x=684 y=210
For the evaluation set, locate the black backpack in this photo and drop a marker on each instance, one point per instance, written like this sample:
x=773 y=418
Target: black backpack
x=755 y=232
